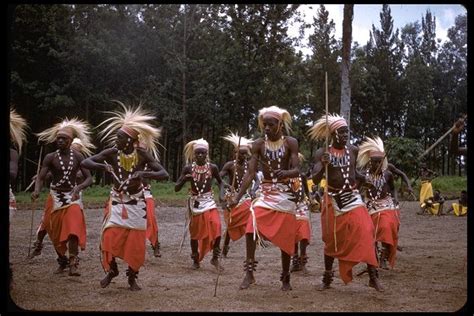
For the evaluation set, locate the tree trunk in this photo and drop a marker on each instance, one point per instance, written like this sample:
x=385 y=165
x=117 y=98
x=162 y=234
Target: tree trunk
x=184 y=79
x=345 y=66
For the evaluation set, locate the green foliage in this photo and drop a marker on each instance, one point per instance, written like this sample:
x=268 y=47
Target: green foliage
x=403 y=153
x=205 y=70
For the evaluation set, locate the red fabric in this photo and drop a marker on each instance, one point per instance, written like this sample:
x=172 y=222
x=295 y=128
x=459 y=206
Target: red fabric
x=151 y=222
x=205 y=228
x=238 y=220
x=303 y=230
x=46 y=214
x=354 y=238
x=387 y=224
x=127 y=244
x=63 y=223
x=278 y=227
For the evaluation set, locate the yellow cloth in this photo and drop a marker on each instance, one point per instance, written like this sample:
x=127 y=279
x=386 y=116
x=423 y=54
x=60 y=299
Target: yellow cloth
x=310 y=184
x=426 y=191
x=322 y=184
x=434 y=209
x=459 y=210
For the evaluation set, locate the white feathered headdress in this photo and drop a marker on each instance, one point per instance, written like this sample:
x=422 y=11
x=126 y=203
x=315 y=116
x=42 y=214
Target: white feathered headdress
x=135 y=123
x=193 y=145
x=280 y=114
x=70 y=128
x=234 y=139
x=371 y=147
x=17 y=129
x=319 y=129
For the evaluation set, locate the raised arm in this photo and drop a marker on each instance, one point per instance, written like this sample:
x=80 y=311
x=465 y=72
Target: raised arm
x=318 y=167
x=294 y=166
x=216 y=175
x=42 y=175
x=96 y=162
x=247 y=180
x=156 y=172
x=185 y=176
x=401 y=174
x=391 y=187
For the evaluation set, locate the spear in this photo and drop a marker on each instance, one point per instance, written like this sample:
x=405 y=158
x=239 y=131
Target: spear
x=34 y=201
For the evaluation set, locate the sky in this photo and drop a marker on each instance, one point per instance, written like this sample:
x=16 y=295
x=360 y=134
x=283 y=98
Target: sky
x=367 y=14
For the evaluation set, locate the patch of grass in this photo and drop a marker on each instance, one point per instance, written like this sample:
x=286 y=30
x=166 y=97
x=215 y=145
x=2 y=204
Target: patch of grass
x=449 y=186
x=96 y=195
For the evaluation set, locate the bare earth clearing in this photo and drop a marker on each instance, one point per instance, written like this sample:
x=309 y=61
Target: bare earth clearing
x=430 y=273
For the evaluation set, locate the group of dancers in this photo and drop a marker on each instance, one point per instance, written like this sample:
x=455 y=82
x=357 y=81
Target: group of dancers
x=265 y=198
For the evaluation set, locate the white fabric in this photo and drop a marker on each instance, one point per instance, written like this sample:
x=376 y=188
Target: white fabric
x=302 y=211
x=350 y=200
x=62 y=199
x=380 y=205
x=276 y=198
x=136 y=212
x=147 y=192
x=205 y=203
x=12 y=204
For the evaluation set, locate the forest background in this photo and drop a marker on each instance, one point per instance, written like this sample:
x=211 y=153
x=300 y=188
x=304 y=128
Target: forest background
x=206 y=70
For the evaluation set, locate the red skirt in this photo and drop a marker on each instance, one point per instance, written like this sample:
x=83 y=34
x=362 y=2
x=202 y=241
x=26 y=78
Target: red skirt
x=205 y=228
x=126 y=244
x=237 y=221
x=386 y=224
x=278 y=227
x=151 y=222
x=303 y=230
x=46 y=214
x=354 y=239
x=62 y=223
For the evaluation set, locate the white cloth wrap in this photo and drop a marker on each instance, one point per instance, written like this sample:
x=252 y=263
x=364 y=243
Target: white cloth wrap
x=205 y=200
x=62 y=199
x=276 y=198
x=12 y=204
x=147 y=192
x=383 y=204
x=302 y=211
x=352 y=199
x=136 y=212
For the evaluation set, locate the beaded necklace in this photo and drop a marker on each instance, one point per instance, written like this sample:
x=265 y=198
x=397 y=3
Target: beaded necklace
x=378 y=181
x=130 y=166
x=272 y=153
x=239 y=182
x=341 y=159
x=197 y=173
x=66 y=172
x=128 y=161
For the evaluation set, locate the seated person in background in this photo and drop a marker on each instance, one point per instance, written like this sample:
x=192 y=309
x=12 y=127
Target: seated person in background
x=460 y=208
x=433 y=205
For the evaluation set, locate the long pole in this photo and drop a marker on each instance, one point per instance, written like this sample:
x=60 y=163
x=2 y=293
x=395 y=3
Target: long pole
x=326 y=196
x=438 y=141
x=34 y=202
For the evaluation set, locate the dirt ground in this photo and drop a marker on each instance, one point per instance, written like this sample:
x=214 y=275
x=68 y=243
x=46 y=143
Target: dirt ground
x=430 y=274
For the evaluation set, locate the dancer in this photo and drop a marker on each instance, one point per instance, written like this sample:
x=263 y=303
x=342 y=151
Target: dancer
x=235 y=170
x=347 y=229
x=124 y=224
x=66 y=226
x=382 y=198
x=205 y=223
x=273 y=211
